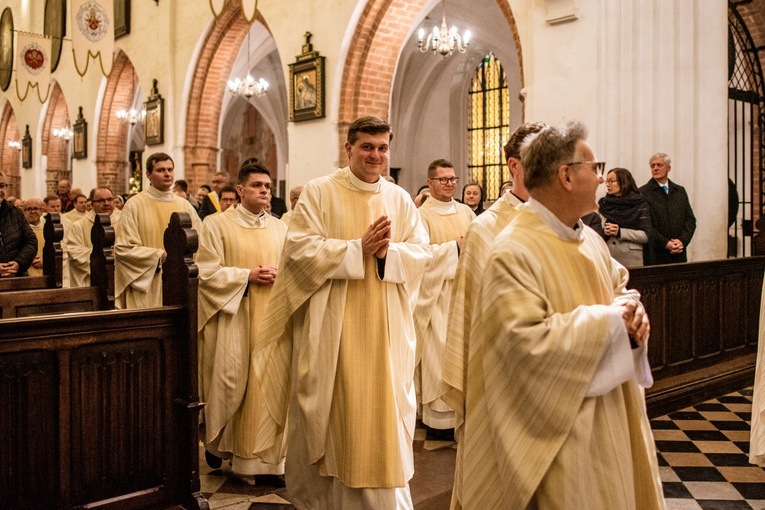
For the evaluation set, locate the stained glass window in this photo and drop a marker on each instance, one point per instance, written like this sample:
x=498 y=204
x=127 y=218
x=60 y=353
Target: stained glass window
x=488 y=126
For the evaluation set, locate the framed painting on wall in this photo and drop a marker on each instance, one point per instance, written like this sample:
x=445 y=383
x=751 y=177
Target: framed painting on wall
x=80 y=128
x=154 y=123
x=26 y=149
x=307 y=84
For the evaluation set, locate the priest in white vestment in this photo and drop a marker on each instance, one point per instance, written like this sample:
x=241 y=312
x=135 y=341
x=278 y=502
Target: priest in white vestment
x=238 y=258
x=79 y=244
x=139 y=245
x=555 y=416
x=33 y=211
x=338 y=341
x=474 y=253
x=80 y=208
x=446 y=222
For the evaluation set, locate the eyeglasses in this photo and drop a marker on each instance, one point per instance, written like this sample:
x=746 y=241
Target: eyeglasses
x=446 y=180
x=3 y=185
x=611 y=181
x=102 y=200
x=597 y=166
x=32 y=209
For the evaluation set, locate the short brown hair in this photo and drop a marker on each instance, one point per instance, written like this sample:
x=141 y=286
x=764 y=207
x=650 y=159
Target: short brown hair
x=155 y=158
x=438 y=163
x=250 y=168
x=51 y=198
x=370 y=126
x=513 y=145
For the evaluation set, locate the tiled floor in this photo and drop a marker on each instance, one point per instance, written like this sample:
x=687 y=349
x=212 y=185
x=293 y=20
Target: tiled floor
x=702 y=458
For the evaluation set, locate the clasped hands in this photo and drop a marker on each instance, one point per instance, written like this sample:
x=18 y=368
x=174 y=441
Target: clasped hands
x=675 y=246
x=376 y=239
x=636 y=321
x=8 y=269
x=263 y=275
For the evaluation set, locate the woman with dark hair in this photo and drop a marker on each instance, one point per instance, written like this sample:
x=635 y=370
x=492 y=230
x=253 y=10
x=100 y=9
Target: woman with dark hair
x=472 y=196
x=626 y=219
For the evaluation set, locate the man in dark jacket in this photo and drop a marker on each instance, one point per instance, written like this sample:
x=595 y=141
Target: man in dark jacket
x=18 y=243
x=672 y=216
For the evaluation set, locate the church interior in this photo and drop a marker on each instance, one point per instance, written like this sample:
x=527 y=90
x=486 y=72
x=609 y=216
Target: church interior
x=683 y=77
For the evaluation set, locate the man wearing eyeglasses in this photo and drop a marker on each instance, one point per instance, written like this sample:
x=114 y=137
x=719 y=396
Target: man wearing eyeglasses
x=555 y=414
x=211 y=203
x=18 y=244
x=474 y=256
x=446 y=222
x=673 y=220
x=33 y=211
x=79 y=244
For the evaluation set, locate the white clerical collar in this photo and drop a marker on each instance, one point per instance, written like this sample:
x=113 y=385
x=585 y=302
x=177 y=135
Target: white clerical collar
x=562 y=230
x=250 y=219
x=443 y=208
x=164 y=196
x=365 y=186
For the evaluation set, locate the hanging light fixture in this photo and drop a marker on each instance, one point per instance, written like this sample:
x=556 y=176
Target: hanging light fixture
x=63 y=133
x=131 y=116
x=443 y=40
x=14 y=144
x=248 y=86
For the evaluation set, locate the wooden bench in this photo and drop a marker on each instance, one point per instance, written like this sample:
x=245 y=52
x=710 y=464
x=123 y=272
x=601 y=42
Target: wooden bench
x=704 y=326
x=100 y=408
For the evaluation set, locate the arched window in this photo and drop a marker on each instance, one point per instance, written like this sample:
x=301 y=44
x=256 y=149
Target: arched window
x=488 y=126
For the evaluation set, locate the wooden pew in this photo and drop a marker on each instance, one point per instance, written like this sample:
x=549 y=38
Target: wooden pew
x=55 y=300
x=100 y=408
x=704 y=326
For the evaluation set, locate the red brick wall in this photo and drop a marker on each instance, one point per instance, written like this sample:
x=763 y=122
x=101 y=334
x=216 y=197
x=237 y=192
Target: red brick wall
x=56 y=149
x=111 y=147
x=10 y=158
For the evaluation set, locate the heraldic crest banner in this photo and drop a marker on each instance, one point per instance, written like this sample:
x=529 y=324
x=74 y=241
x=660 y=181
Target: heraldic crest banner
x=93 y=34
x=33 y=68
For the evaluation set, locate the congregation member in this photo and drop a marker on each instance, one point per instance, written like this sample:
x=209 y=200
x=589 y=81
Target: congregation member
x=555 y=416
x=33 y=211
x=139 y=245
x=338 y=339
x=63 y=190
x=473 y=197
x=202 y=191
x=181 y=188
x=211 y=202
x=422 y=195
x=80 y=208
x=228 y=197
x=294 y=196
x=238 y=258
x=19 y=246
x=474 y=255
x=446 y=221
x=626 y=219
x=79 y=244
x=673 y=220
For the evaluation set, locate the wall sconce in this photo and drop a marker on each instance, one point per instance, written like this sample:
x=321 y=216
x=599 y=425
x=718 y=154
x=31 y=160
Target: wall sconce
x=14 y=144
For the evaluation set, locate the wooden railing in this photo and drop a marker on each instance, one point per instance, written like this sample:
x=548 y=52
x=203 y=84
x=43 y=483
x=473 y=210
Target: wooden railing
x=704 y=327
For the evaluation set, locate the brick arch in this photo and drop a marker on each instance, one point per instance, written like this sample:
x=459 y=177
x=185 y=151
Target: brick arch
x=371 y=61
x=56 y=149
x=208 y=87
x=111 y=145
x=10 y=158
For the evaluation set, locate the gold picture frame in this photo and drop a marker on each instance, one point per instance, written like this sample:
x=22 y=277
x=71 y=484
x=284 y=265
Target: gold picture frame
x=154 y=123
x=26 y=149
x=80 y=129
x=307 y=88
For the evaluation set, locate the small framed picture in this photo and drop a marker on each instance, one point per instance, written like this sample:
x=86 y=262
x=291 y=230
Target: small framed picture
x=80 y=128
x=307 y=85
x=154 y=123
x=26 y=150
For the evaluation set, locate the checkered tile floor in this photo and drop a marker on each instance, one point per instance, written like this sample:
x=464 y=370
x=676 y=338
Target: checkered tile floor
x=702 y=459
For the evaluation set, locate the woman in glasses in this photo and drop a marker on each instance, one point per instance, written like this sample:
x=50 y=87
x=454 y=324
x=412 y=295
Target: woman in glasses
x=472 y=196
x=626 y=218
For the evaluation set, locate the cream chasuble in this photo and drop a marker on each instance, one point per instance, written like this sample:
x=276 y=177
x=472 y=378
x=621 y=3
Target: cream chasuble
x=80 y=247
x=286 y=218
x=74 y=215
x=39 y=233
x=349 y=376
x=139 y=245
x=444 y=222
x=541 y=327
x=476 y=246
x=233 y=242
x=757 y=438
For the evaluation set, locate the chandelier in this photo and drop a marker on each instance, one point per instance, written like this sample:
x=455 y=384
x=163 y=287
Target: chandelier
x=248 y=86
x=63 y=133
x=14 y=144
x=443 y=40
x=131 y=116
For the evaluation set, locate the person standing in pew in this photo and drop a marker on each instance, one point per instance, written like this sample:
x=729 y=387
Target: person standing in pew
x=33 y=211
x=139 y=242
x=238 y=257
x=79 y=244
x=18 y=243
